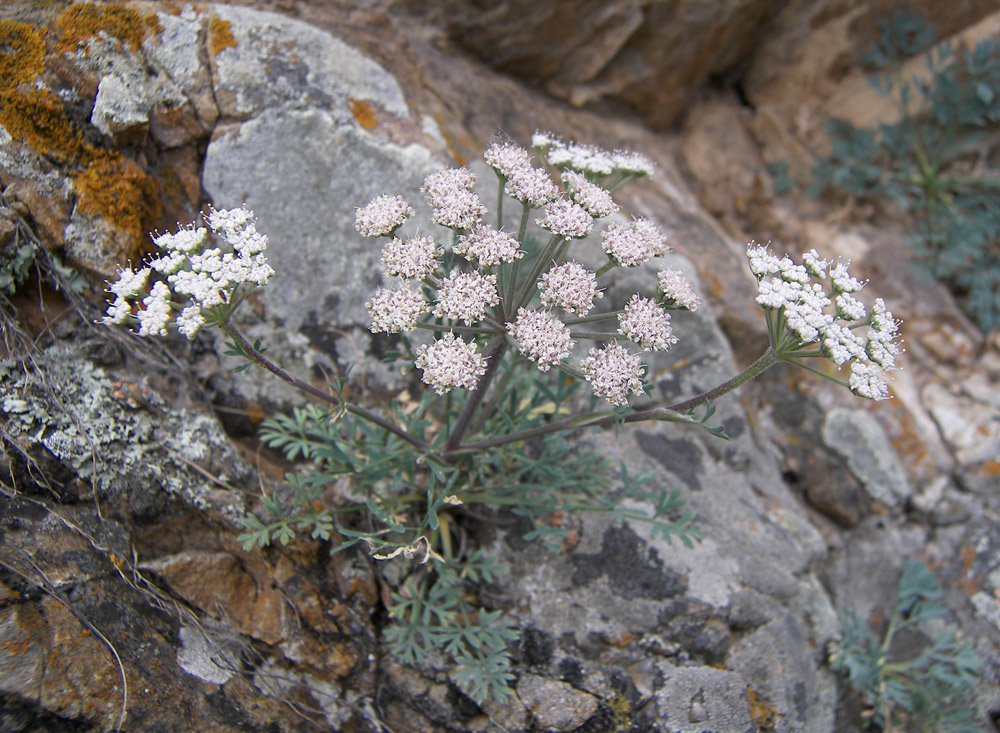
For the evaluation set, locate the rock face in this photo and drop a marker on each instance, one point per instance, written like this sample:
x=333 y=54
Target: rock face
x=650 y=55
x=122 y=496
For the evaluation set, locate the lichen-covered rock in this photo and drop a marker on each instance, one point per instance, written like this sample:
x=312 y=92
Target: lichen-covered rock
x=118 y=437
x=858 y=437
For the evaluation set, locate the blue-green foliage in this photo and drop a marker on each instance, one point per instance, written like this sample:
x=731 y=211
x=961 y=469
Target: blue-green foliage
x=409 y=498
x=935 y=162
x=928 y=692
x=15 y=263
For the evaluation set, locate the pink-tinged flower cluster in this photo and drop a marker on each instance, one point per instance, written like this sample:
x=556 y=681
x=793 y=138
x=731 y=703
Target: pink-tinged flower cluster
x=634 y=244
x=566 y=219
x=613 y=373
x=206 y=277
x=676 y=290
x=541 y=337
x=395 y=309
x=522 y=181
x=450 y=194
x=507 y=158
x=414 y=259
x=382 y=216
x=531 y=186
x=488 y=246
x=590 y=196
x=644 y=322
x=465 y=296
x=569 y=286
x=450 y=363
x=804 y=308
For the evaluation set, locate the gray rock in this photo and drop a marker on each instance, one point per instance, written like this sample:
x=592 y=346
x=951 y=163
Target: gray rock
x=858 y=437
x=202 y=655
x=970 y=427
x=556 y=706
x=284 y=63
x=771 y=661
x=305 y=196
x=696 y=699
x=313 y=308
x=119 y=437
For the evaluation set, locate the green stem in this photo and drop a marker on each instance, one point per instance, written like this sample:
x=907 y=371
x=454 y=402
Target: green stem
x=605 y=267
x=819 y=373
x=596 y=335
x=544 y=256
x=593 y=318
x=502 y=181
x=580 y=422
x=494 y=401
x=281 y=374
x=493 y=353
x=457 y=329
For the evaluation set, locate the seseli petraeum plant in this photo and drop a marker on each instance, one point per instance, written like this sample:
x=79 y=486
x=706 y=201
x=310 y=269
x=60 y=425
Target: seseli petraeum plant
x=489 y=319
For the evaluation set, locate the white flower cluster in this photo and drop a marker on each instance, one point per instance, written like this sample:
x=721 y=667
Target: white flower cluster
x=382 y=216
x=569 y=286
x=449 y=192
x=613 y=373
x=644 y=322
x=676 y=290
x=465 y=296
x=468 y=299
x=450 y=362
x=541 y=337
x=414 y=259
x=590 y=160
x=205 y=276
x=830 y=318
x=635 y=243
x=488 y=246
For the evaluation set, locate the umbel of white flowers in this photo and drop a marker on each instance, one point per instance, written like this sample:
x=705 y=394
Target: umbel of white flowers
x=203 y=282
x=491 y=296
x=489 y=292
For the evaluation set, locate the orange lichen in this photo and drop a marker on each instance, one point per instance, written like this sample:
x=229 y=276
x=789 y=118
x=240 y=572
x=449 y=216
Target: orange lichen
x=122 y=193
x=764 y=714
x=220 y=35
x=362 y=112
x=22 y=54
x=82 y=21
x=38 y=118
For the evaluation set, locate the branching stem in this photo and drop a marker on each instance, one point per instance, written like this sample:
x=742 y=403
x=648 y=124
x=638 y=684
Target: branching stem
x=283 y=375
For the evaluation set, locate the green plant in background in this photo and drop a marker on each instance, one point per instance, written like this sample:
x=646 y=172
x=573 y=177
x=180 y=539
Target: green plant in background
x=928 y=692
x=490 y=319
x=15 y=263
x=938 y=162
x=19 y=254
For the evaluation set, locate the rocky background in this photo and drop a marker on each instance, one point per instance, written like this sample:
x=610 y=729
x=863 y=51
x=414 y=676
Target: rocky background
x=125 y=600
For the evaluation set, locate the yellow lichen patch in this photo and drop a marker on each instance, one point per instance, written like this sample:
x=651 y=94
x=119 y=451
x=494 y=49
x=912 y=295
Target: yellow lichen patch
x=122 y=193
x=764 y=714
x=82 y=21
x=220 y=35
x=39 y=119
x=22 y=54
x=362 y=112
